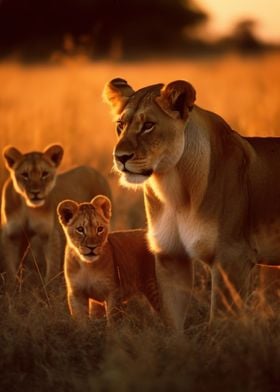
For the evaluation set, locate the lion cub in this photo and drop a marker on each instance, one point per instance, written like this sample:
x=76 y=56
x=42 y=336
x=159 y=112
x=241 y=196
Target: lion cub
x=29 y=201
x=107 y=268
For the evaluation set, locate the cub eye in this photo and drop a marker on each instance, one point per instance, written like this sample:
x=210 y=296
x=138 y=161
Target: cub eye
x=119 y=128
x=44 y=174
x=80 y=230
x=24 y=175
x=99 y=229
x=147 y=126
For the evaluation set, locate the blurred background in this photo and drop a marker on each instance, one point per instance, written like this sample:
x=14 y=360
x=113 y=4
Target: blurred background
x=34 y=30
x=56 y=56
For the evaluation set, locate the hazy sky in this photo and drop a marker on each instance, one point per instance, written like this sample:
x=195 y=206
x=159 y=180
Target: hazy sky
x=224 y=14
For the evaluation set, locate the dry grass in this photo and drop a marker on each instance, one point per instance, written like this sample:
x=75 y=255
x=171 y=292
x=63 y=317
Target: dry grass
x=42 y=105
x=41 y=347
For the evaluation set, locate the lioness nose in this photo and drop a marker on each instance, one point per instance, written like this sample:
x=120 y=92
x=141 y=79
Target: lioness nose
x=123 y=158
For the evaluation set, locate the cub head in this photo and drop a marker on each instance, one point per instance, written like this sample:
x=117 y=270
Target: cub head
x=33 y=174
x=150 y=125
x=86 y=226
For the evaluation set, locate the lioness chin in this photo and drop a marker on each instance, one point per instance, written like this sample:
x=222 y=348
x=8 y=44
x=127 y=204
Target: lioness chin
x=102 y=267
x=29 y=200
x=210 y=194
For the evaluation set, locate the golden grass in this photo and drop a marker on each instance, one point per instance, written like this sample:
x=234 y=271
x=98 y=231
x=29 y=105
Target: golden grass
x=42 y=349
x=45 y=104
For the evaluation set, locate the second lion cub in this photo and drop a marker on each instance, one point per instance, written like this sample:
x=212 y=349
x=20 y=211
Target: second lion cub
x=107 y=268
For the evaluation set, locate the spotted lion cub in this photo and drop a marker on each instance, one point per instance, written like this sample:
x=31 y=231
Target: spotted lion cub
x=102 y=267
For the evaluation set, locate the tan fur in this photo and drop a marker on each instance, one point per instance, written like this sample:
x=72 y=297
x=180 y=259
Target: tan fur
x=29 y=200
x=210 y=194
x=107 y=268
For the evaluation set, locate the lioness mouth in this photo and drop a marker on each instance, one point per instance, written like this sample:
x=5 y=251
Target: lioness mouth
x=145 y=173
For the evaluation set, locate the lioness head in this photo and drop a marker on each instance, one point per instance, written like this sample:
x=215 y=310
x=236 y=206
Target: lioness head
x=33 y=174
x=150 y=124
x=86 y=226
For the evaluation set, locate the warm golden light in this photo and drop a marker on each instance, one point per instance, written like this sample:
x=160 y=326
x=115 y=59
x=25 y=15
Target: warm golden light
x=225 y=14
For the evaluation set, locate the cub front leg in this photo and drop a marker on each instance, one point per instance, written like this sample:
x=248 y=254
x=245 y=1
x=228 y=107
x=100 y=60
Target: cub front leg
x=12 y=250
x=175 y=280
x=54 y=255
x=231 y=280
x=78 y=305
x=114 y=307
x=96 y=310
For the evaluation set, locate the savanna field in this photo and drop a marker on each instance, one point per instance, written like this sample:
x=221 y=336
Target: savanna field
x=42 y=349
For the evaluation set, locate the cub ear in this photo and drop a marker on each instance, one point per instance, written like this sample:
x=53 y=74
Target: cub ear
x=55 y=153
x=116 y=93
x=178 y=96
x=103 y=205
x=11 y=155
x=66 y=210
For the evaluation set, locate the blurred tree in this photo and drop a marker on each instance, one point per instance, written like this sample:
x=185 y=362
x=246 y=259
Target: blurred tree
x=244 y=36
x=39 y=26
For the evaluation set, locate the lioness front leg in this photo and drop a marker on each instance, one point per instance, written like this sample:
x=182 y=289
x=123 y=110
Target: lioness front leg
x=231 y=281
x=175 y=279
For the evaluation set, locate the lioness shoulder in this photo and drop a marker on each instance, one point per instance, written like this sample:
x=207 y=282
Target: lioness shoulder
x=29 y=200
x=100 y=266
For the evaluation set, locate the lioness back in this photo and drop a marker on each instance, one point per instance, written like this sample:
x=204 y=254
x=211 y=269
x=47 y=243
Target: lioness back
x=80 y=183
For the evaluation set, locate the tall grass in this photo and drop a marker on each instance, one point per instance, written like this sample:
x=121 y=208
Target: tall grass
x=42 y=349
x=41 y=105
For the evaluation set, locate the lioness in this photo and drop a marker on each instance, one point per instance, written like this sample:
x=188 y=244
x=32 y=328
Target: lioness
x=210 y=194
x=107 y=268
x=29 y=200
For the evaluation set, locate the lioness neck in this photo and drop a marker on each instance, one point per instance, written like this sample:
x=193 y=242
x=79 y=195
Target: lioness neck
x=187 y=181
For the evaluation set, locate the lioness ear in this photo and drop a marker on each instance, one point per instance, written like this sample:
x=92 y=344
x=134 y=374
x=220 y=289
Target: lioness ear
x=11 y=155
x=66 y=209
x=117 y=93
x=178 y=96
x=54 y=153
x=103 y=204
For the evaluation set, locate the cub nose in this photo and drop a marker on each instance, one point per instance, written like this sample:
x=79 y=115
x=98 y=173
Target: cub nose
x=91 y=247
x=123 y=158
x=35 y=193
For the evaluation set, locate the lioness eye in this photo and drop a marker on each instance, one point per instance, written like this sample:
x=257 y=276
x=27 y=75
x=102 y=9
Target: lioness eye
x=119 y=127
x=44 y=174
x=80 y=229
x=147 y=126
x=99 y=229
x=24 y=175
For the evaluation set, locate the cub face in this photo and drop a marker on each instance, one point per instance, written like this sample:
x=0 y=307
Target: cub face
x=33 y=174
x=86 y=226
x=150 y=124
